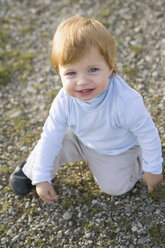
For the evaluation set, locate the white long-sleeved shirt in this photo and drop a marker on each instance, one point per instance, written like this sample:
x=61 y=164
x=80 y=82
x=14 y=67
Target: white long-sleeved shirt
x=110 y=123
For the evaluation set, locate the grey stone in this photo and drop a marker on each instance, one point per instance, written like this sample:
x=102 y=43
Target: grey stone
x=134 y=229
x=11 y=210
x=162 y=204
x=67 y=232
x=67 y=216
x=16 y=238
x=88 y=235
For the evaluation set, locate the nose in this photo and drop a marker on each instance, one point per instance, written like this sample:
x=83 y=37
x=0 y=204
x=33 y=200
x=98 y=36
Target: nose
x=82 y=80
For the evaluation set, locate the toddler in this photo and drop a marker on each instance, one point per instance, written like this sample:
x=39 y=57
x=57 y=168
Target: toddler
x=95 y=117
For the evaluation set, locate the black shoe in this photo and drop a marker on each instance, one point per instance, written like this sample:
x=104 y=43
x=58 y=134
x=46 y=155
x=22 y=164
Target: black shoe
x=19 y=182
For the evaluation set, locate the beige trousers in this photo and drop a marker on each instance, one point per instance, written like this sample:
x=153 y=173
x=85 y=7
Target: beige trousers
x=115 y=174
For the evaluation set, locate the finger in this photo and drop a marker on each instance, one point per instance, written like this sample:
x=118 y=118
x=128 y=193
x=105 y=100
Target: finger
x=50 y=201
x=150 y=188
x=52 y=194
x=144 y=179
x=50 y=197
x=161 y=180
x=47 y=200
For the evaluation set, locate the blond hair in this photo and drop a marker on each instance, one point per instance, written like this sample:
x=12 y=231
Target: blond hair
x=77 y=35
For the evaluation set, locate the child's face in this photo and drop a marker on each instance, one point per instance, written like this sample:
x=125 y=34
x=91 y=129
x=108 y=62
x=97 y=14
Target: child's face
x=86 y=78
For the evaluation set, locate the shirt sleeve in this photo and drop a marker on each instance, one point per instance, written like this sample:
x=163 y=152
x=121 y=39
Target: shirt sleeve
x=50 y=142
x=140 y=123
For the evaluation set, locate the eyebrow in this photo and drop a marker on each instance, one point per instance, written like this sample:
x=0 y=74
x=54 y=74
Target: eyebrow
x=94 y=65
x=73 y=68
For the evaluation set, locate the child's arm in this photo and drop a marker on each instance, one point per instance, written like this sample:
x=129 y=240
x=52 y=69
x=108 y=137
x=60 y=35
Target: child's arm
x=50 y=142
x=152 y=180
x=46 y=192
x=139 y=122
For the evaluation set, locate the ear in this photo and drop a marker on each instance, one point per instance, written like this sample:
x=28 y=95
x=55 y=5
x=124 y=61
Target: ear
x=110 y=71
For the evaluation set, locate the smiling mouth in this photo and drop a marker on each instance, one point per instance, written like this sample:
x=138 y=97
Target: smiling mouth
x=85 y=91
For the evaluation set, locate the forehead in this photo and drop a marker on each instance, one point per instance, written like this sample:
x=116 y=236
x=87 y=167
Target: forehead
x=89 y=56
x=91 y=59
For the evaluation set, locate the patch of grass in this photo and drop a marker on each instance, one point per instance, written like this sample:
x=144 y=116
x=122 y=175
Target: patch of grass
x=129 y=71
x=136 y=49
x=158 y=194
x=67 y=203
x=5 y=75
x=45 y=34
x=13 y=63
x=112 y=226
x=31 y=211
x=6 y=189
x=29 y=138
x=25 y=29
x=4 y=32
x=4 y=206
x=21 y=128
x=15 y=158
x=77 y=176
x=26 y=56
x=2 y=230
x=155 y=113
x=154 y=100
x=124 y=222
x=105 y=13
x=104 y=21
x=132 y=85
x=94 y=210
x=88 y=196
x=20 y=124
x=157 y=235
x=52 y=94
x=23 y=65
x=5 y=169
x=39 y=87
x=74 y=1
x=163 y=138
x=39 y=244
x=89 y=225
x=118 y=42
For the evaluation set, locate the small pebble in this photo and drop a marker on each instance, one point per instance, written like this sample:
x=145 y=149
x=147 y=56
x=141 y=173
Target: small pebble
x=134 y=229
x=11 y=210
x=88 y=235
x=67 y=232
x=94 y=202
x=157 y=211
x=162 y=204
x=15 y=239
x=67 y=216
x=118 y=230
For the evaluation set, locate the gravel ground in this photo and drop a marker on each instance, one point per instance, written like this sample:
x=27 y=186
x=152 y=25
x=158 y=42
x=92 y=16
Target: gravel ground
x=82 y=216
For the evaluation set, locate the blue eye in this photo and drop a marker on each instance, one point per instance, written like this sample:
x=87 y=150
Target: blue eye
x=71 y=73
x=93 y=70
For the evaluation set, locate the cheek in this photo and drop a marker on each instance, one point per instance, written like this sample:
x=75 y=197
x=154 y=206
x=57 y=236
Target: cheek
x=64 y=82
x=104 y=80
x=104 y=83
x=67 y=85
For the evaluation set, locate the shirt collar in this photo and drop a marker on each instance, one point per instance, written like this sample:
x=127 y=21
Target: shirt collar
x=97 y=101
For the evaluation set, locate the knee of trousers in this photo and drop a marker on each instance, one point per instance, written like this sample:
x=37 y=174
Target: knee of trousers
x=114 y=188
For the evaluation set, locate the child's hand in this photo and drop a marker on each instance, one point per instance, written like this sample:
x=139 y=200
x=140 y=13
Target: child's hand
x=152 y=180
x=46 y=192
